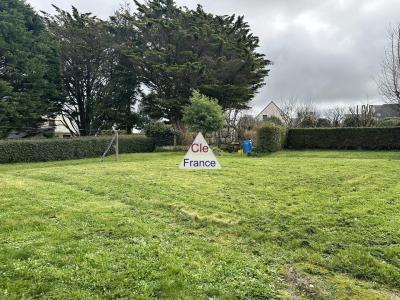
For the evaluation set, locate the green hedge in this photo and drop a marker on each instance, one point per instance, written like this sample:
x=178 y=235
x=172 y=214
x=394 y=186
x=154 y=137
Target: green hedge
x=270 y=138
x=344 y=138
x=62 y=149
x=162 y=134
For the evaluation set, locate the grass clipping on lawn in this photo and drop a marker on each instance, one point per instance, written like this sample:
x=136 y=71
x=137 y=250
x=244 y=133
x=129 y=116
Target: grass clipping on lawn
x=312 y=224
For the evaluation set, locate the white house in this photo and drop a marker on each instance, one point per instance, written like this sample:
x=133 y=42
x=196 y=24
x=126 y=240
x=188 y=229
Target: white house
x=60 y=130
x=271 y=110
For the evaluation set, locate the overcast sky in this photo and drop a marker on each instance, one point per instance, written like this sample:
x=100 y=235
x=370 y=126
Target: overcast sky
x=324 y=51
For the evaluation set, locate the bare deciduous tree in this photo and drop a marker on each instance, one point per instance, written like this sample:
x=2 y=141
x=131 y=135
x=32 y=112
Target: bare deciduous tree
x=360 y=116
x=307 y=115
x=289 y=111
x=297 y=113
x=336 y=115
x=389 y=80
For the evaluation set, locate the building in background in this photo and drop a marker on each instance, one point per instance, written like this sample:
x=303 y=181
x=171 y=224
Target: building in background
x=58 y=125
x=386 y=111
x=270 y=111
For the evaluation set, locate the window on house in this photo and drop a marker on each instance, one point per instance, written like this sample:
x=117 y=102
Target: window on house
x=265 y=117
x=52 y=123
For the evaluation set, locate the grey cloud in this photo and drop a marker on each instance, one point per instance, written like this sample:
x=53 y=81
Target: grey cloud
x=327 y=51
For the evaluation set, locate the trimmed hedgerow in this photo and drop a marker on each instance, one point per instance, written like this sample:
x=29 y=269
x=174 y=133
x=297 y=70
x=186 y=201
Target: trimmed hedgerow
x=270 y=138
x=162 y=134
x=344 y=138
x=63 y=149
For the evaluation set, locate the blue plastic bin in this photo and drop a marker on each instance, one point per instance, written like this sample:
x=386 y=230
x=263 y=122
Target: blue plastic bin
x=247 y=145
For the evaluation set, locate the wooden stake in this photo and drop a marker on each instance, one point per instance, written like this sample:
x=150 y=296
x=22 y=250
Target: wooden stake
x=117 y=145
x=109 y=147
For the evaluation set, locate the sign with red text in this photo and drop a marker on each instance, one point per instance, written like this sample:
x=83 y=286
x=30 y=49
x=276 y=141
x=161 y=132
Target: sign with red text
x=200 y=156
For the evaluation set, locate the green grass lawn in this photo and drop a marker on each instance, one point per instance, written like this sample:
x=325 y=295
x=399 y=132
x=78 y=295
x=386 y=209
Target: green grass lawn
x=312 y=224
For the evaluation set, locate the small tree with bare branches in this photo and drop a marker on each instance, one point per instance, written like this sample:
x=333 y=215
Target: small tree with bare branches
x=289 y=111
x=336 y=115
x=389 y=80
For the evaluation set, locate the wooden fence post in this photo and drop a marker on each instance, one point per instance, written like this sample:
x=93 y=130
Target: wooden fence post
x=117 y=146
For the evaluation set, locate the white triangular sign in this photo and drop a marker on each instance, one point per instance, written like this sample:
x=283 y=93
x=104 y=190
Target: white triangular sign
x=200 y=156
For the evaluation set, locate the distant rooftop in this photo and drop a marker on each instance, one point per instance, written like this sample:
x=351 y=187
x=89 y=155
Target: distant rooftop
x=387 y=110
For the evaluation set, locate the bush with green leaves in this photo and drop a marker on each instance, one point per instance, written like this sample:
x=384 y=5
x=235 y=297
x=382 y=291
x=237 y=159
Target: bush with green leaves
x=203 y=114
x=12 y=151
x=162 y=134
x=270 y=138
x=308 y=120
x=323 y=123
x=344 y=138
x=273 y=121
x=388 y=122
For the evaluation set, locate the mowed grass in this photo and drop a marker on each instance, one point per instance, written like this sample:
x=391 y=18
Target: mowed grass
x=312 y=224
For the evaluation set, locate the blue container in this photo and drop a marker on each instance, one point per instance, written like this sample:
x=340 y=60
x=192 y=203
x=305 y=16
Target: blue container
x=247 y=145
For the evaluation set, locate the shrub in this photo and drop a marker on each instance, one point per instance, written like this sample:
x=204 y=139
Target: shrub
x=218 y=151
x=62 y=149
x=273 y=121
x=344 y=138
x=388 y=122
x=270 y=138
x=111 y=132
x=323 y=123
x=161 y=133
x=203 y=114
x=308 y=120
x=231 y=148
x=351 y=121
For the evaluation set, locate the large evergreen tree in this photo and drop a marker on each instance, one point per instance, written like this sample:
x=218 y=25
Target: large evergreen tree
x=182 y=50
x=85 y=48
x=234 y=69
x=124 y=89
x=29 y=69
x=100 y=84
x=166 y=59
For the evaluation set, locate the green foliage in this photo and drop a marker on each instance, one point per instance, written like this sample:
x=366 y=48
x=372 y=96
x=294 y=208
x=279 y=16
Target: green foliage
x=86 y=54
x=273 y=121
x=344 y=138
x=29 y=68
x=203 y=114
x=351 y=121
x=308 y=120
x=323 y=123
x=181 y=49
x=218 y=151
x=270 y=138
x=230 y=148
x=124 y=78
x=63 y=149
x=388 y=122
x=161 y=133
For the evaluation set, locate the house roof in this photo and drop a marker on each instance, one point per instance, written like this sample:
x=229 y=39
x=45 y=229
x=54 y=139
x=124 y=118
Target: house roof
x=271 y=103
x=387 y=110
